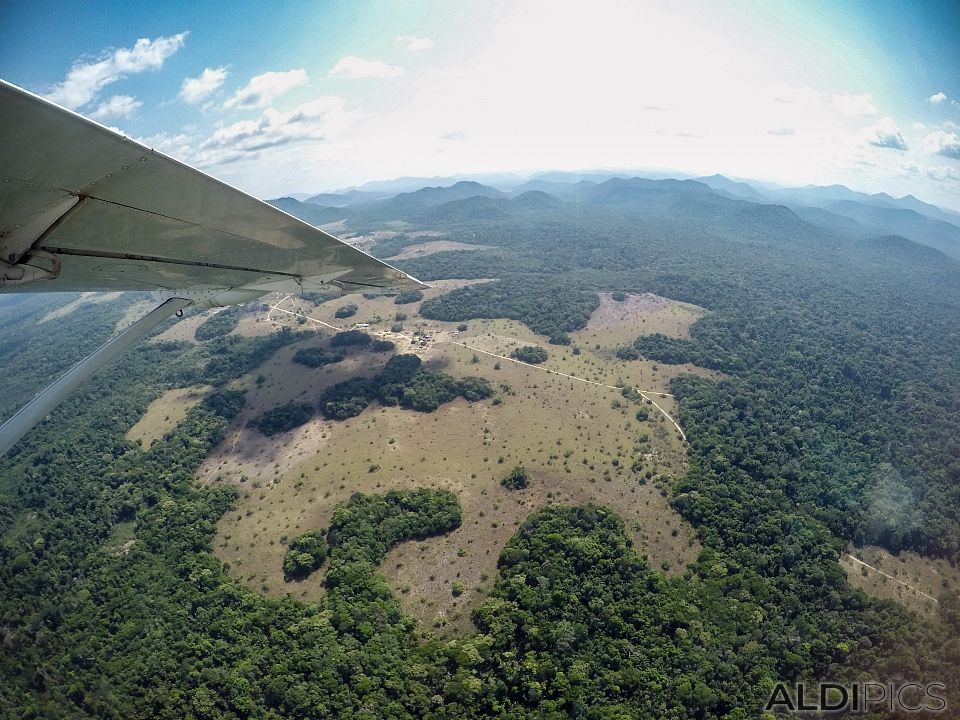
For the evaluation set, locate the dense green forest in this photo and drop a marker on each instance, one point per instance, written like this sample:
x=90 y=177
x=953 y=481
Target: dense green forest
x=220 y=324
x=314 y=357
x=283 y=418
x=401 y=382
x=346 y=311
x=836 y=420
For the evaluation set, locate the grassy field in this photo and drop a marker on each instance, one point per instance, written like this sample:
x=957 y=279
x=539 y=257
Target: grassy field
x=579 y=440
x=165 y=412
x=581 y=443
x=908 y=578
x=434 y=246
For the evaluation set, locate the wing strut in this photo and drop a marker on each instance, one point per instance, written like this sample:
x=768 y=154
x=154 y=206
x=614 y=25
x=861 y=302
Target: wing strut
x=38 y=408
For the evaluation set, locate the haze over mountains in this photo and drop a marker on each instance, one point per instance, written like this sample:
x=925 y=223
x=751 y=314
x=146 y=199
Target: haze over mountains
x=835 y=209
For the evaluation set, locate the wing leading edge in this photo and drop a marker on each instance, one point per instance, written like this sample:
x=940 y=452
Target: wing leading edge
x=85 y=208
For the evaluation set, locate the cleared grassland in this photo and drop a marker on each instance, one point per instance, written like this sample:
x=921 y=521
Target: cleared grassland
x=165 y=412
x=434 y=246
x=580 y=442
x=908 y=578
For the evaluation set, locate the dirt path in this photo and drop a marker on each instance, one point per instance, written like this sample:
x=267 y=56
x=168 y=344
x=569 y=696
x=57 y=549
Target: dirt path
x=643 y=393
x=891 y=577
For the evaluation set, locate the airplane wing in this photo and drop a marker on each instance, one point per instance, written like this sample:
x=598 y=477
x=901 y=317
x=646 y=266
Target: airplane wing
x=85 y=208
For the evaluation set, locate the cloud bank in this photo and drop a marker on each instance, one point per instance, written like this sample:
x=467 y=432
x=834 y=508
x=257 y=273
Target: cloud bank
x=264 y=89
x=85 y=80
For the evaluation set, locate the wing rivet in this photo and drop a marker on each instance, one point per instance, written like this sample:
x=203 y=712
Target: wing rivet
x=125 y=167
x=143 y=159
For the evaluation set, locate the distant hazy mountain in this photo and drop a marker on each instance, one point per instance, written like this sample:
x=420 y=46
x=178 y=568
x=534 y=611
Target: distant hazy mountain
x=824 y=196
x=897 y=221
x=413 y=203
x=835 y=209
x=623 y=191
x=313 y=214
x=536 y=200
x=350 y=197
x=575 y=191
x=831 y=221
x=741 y=190
x=477 y=207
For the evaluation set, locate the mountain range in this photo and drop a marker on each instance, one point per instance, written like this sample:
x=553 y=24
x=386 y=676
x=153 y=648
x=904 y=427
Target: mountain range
x=834 y=209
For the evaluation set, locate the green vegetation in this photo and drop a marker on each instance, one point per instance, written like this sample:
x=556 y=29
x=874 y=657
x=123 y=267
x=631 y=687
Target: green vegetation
x=283 y=418
x=401 y=382
x=306 y=553
x=231 y=356
x=346 y=311
x=350 y=338
x=408 y=296
x=835 y=420
x=619 y=296
x=531 y=354
x=516 y=479
x=219 y=324
x=387 y=247
x=538 y=302
x=314 y=357
x=382 y=346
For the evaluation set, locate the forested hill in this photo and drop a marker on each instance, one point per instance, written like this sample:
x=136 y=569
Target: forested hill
x=835 y=209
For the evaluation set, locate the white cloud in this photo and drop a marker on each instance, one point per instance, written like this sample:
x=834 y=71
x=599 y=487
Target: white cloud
x=355 y=68
x=193 y=90
x=886 y=134
x=943 y=174
x=264 y=89
x=937 y=98
x=414 y=43
x=783 y=131
x=179 y=146
x=854 y=105
x=943 y=143
x=316 y=120
x=85 y=79
x=119 y=106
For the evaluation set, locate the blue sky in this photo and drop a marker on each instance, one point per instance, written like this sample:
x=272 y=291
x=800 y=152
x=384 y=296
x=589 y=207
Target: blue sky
x=307 y=96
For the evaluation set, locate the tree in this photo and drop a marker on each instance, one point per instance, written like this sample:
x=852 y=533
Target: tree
x=408 y=296
x=283 y=418
x=315 y=357
x=530 y=354
x=346 y=311
x=516 y=479
x=305 y=553
x=350 y=338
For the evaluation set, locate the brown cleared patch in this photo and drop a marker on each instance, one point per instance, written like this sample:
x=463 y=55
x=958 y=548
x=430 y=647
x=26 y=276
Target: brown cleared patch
x=623 y=322
x=183 y=330
x=254 y=323
x=910 y=579
x=435 y=246
x=377 y=312
x=165 y=412
x=552 y=425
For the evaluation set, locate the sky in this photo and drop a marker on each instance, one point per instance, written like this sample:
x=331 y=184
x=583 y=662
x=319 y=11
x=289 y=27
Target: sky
x=294 y=96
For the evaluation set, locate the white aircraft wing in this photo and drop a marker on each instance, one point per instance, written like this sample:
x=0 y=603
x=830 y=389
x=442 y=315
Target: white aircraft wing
x=85 y=208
